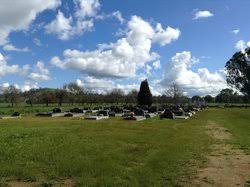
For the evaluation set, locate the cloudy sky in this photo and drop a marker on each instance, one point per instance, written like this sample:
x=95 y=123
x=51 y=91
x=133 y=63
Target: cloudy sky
x=109 y=44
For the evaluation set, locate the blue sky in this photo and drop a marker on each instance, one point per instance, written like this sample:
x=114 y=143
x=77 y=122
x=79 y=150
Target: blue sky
x=47 y=43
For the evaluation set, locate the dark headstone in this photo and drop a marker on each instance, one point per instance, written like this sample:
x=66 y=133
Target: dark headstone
x=179 y=112
x=76 y=110
x=103 y=113
x=15 y=114
x=139 y=112
x=68 y=115
x=167 y=114
x=153 y=109
x=56 y=110
x=112 y=114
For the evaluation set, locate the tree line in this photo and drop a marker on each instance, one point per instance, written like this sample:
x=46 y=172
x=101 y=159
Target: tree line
x=73 y=94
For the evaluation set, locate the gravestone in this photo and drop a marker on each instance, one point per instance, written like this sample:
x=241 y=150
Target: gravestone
x=167 y=114
x=76 y=110
x=102 y=113
x=56 y=110
x=139 y=112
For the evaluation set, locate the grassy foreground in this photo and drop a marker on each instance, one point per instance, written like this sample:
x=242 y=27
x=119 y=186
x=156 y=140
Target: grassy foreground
x=237 y=121
x=112 y=152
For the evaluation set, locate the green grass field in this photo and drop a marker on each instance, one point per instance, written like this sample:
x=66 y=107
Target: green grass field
x=237 y=121
x=6 y=109
x=113 y=152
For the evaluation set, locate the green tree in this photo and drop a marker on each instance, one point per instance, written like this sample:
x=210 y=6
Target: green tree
x=12 y=94
x=30 y=96
x=238 y=71
x=60 y=95
x=144 y=96
x=116 y=96
x=208 y=98
x=196 y=98
x=47 y=96
x=131 y=97
x=225 y=96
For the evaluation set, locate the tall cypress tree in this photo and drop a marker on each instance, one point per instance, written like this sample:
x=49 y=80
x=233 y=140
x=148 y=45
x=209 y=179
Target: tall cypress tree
x=144 y=96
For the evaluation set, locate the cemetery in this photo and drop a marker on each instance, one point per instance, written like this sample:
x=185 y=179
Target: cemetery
x=130 y=93
x=58 y=145
x=97 y=137
x=137 y=141
x=137 y=113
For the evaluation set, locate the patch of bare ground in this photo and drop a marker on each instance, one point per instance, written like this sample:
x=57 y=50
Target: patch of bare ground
x=227 y=166
x=217 y=132
x=61 y=183
x=69 y=183
x=21 y=184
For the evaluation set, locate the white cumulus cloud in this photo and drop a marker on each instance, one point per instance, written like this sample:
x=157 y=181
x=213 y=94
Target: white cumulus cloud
x=10 y=47
x=202 y=14
x=236 y=31
x=166 y=36
x=28 y=86
x=87 y=8
x=199 y=82
x=60 y=26
x=92 y=83
x=122 y=58
x=41 y=73
x=242 y=45
x=103 y=85
x=16 y=15
x=74 y=25
x=7 y=69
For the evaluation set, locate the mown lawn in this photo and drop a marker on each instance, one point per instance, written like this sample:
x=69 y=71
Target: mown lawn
x=111 y=152
x=237 y=121
x=22 y=108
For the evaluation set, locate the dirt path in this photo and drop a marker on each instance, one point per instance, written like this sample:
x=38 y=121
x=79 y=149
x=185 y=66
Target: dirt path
x=62 y=183
x=227 y=166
